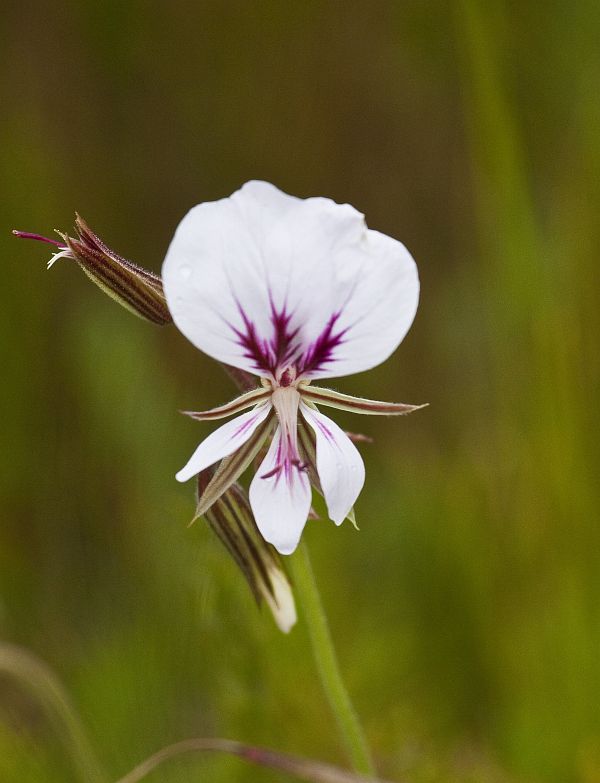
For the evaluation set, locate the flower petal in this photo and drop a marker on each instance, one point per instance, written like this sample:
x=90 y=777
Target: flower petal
x=224 y=441
x=263 y=281
x=339 y=464
x=280 y=500
x=372 y=305
x=216 y=275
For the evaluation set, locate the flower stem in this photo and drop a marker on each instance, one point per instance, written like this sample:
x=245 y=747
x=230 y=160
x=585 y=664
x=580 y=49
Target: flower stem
x=327 y=664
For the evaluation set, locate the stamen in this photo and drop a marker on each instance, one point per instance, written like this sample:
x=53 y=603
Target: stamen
x=61 y=254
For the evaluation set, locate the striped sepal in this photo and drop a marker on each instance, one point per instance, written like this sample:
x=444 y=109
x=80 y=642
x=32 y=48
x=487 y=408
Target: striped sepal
x=345 y=402
x=235 y=406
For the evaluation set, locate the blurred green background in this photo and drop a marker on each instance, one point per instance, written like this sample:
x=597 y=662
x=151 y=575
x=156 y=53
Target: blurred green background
x=467 y=610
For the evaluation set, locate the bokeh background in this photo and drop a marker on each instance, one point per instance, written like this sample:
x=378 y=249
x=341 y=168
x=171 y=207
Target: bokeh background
x=467 y=610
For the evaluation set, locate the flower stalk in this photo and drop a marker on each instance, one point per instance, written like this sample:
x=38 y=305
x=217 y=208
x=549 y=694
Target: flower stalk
x=301 y=768
x=349 y=726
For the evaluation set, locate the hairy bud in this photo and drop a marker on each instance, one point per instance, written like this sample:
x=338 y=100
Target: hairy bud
x=137 y=289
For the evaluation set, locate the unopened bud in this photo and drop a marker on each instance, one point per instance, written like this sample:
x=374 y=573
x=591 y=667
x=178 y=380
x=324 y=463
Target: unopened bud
x=137 y=289
x=230 y=516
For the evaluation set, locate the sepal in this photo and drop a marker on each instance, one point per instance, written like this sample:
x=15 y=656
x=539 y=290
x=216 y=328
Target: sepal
x=317 y=395
x=241 y=403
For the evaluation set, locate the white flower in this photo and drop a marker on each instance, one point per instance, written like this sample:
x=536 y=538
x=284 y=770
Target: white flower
x=291 y=291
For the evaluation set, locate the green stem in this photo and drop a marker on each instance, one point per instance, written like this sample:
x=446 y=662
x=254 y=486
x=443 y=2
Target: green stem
x=327 y=664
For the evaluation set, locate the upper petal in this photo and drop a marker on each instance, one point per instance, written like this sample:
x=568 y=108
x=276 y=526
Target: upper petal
x=280 y=501
x=224 y=441
x=263 y=280
x=215 y=273
x=373 y=303
x=339 y=464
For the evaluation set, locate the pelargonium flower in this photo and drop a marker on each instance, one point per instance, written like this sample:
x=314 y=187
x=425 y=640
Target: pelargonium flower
x=291 y=291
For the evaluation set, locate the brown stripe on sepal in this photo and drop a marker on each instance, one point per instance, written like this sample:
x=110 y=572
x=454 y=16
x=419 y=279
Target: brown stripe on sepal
x=88 y=237
x=346 y=402
x=139 y=291
x=231 y=519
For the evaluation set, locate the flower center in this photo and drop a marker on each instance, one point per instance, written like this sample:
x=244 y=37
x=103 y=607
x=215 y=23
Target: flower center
x=287 y=376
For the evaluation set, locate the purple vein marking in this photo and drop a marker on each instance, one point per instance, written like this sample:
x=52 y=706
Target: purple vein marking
x=325 y=430
x=284 y=348
x=321 y=351
x=269 y=354
x=243 y=428
x=286 y=460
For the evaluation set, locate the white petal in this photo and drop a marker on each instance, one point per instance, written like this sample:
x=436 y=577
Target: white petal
x=280 y=502
x=224 y=441
x=339 y=464
x=374 y=302
x=262 y=279
x=215 y=275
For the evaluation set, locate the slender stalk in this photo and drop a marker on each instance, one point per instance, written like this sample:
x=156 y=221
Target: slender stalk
x=327 y=664
x=305 y=769
x=41 y=681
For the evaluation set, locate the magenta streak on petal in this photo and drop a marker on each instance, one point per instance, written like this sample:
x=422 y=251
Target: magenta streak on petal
x=321 y=351
x=244 y=427
x=269 y=354
x=39 y=238
x=284 y=349
x=287 y=460
x=325 y=430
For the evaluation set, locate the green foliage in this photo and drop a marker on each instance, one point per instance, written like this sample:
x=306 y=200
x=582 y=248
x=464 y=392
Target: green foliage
x=466 y=610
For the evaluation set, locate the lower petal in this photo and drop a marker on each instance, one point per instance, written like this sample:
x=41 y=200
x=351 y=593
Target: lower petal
x=224 y=441
x=339 y=464
x=280 y=499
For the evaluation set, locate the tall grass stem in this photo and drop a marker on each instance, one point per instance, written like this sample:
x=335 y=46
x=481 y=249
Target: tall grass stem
x=37 y=678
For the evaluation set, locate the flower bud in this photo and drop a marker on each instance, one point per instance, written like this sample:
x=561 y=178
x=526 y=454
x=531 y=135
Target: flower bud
x=137 y=289
x=230 y=516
